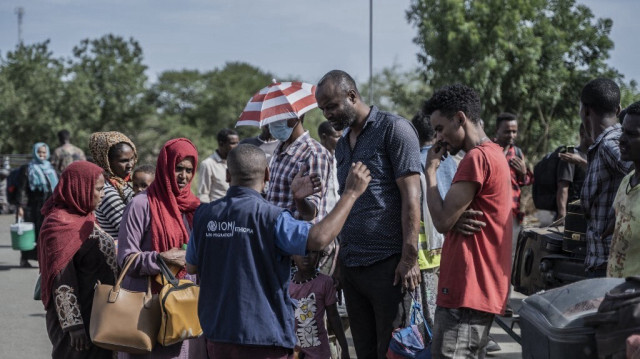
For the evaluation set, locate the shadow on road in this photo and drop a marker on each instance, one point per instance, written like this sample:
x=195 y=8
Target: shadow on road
x=14 y=266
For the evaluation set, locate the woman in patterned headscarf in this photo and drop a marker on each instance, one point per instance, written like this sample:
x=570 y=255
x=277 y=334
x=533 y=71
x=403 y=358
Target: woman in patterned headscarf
x=74 y=254
x=37 y=181
x=117 y=156
x=158 y=223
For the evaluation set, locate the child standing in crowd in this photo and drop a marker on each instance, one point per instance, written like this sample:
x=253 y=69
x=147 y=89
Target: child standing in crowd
x=315 y=294
x=142 y=178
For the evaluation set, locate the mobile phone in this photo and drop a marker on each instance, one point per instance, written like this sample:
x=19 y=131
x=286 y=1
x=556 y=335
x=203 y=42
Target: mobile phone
x=563 y=149
x=571 y=149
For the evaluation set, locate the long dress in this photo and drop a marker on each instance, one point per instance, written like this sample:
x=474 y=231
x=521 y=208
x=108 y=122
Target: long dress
x=31 y=201
x=72 y=295
x=134 y=237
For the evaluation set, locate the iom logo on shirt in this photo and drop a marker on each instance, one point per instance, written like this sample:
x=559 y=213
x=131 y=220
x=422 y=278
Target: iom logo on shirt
x=225 y=229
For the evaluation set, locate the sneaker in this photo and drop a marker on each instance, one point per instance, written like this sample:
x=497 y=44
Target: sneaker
x=508 y=312
x=492 y=346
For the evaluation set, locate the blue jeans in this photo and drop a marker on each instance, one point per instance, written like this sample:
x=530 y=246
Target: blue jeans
x=460 y=333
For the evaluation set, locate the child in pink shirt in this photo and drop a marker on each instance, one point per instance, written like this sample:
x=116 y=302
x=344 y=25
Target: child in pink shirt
x=315 y=294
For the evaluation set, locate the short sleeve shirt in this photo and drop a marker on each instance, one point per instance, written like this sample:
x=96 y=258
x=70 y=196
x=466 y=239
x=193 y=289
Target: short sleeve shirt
x=624 y=259
x=573 y=174
x=475 y=270
x=291 y=237
x=313 y=298
x=388 y=145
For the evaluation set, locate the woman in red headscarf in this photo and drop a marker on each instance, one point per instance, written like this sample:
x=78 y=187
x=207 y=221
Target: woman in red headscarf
x=74 y=253
x=157 y=222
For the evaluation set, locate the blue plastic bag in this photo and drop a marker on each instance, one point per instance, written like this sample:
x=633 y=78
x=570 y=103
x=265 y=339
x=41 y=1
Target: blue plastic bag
x=408 y=342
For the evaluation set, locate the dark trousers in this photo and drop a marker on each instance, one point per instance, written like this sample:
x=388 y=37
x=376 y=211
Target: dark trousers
x=238 y=351
x=375 y=306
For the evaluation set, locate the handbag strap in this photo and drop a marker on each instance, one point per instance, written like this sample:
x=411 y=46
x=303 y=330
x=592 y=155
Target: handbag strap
x=125 y=269
x=166 y=272
x=113 y=295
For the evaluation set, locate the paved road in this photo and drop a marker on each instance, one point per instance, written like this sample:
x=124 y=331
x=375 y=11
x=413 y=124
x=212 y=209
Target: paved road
x=24 y=334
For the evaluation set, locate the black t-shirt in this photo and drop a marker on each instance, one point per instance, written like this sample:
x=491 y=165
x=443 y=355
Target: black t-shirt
x=573 y=174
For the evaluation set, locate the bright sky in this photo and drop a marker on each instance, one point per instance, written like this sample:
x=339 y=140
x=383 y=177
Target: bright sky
x=301 y=38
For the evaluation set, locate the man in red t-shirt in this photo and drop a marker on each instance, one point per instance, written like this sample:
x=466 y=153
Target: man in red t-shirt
x=476 y=266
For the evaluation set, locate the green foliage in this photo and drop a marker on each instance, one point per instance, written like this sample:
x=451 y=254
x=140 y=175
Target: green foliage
x=399 y=92
x=529 y=57
x=30 y=86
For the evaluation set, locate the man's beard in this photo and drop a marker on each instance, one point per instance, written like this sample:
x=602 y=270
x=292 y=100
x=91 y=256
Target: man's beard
x=347 y=119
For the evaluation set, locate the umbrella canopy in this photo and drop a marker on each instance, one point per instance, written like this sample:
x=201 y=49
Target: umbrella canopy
x=278 y=101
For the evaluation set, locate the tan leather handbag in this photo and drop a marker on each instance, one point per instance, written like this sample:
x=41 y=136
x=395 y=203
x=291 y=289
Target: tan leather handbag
x=179 y=308
x=123 y=320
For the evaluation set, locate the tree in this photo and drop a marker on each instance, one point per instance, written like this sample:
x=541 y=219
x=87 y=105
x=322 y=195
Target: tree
x=198 y=105
x=399 y=92
x=530 y=57
x=30 y=87
x=107 y=88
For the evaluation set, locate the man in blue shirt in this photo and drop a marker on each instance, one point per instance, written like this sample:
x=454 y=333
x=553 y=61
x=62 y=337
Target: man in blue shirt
x=378 y=244
x=241 y=247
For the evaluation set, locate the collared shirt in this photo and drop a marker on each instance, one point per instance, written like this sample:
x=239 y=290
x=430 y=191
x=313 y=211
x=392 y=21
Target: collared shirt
x=287 y=162
x=388 y=146
x=212 y=178
x=516 y=182
x=604 y=173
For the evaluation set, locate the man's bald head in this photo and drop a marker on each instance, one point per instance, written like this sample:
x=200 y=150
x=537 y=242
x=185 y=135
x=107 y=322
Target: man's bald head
x=339 y=80
x=246 y=164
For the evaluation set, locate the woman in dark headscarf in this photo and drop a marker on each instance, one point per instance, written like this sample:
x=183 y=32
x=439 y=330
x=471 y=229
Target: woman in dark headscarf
x=37 y=181
x=117 y=156
x=74 y=253
x=158 y=222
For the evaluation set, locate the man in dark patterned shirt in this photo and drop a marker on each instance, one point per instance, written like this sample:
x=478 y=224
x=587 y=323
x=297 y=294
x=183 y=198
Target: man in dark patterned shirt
x=378 y=252
x=599 y=107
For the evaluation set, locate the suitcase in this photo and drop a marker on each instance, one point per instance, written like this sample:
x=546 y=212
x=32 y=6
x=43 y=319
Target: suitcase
x=575 y=227
x=533 y=246
x=553 y=324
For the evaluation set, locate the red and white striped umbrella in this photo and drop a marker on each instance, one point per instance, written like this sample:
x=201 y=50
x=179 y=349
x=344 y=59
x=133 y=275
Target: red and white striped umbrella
x=278 y=101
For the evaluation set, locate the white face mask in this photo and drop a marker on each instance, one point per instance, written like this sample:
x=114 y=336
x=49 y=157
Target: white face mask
x=280 y=131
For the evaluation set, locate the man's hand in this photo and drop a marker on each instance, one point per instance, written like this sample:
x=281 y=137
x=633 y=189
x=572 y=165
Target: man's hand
x=518 y=164
x=573 y=158
x=174 y=256
x=79 y=340
x=304 y=186
x=408 y=274
x=467 y=224
x=358 y=179
x=434 y=156
x=19 y=213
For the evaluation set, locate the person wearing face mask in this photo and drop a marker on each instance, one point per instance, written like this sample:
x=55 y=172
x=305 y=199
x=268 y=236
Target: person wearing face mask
x=296 y=152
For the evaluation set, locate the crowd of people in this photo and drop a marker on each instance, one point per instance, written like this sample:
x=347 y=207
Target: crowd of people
x=285 y=230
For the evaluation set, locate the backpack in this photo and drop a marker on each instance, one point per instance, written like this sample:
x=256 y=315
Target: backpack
x=545 y=181
x=618 y=317
x=13 y=183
